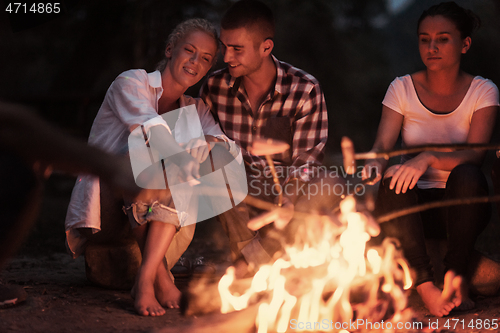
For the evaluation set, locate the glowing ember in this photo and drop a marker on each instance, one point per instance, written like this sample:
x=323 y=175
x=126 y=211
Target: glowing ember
x=329 y=280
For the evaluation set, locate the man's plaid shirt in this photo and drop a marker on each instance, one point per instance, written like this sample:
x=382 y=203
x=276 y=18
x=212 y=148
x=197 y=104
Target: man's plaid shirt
x=295 y=109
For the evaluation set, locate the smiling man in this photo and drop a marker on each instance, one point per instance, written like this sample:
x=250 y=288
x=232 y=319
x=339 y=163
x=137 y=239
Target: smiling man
x=258 y=96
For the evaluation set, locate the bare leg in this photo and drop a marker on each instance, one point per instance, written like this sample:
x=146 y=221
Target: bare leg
x=154 y=240
x=165 y=290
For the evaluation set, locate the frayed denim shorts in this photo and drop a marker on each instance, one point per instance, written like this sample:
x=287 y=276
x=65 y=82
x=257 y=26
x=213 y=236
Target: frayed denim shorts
x=140 y=213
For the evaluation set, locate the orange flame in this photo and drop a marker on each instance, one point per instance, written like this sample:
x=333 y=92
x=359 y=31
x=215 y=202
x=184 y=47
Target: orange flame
x=341 y=270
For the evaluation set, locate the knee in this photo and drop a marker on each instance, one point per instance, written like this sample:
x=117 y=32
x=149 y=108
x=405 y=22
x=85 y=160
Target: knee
x=467 y=179
x=389 y=195
x=387 y=200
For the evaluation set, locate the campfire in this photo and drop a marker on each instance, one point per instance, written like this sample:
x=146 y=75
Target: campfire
x=329 y=283
x=327 y=280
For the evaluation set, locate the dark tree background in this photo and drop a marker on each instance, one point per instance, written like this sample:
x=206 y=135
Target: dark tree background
x=63 y=64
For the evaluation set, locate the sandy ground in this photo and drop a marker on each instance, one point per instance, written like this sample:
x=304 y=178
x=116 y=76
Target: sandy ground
x=60 y=298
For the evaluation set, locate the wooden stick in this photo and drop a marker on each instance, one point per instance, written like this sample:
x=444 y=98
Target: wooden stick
x=443 y=147
x=436 y=204
x=275 y=179
x=264 y=205
x=390 y=216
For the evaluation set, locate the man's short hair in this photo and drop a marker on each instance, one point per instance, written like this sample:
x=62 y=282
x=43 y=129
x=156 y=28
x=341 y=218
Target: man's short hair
x=253 y=15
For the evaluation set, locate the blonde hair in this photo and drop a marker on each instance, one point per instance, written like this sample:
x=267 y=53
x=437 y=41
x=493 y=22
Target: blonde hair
x=185 y=28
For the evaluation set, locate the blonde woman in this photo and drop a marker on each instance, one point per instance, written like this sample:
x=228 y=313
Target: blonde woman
x=136 y=98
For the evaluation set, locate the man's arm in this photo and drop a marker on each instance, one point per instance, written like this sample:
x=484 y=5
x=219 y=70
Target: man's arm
x=46 y=147
x=309 y=140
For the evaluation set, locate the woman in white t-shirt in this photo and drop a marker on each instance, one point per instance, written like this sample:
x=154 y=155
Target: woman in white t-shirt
x=133 y=104
x=438 y=105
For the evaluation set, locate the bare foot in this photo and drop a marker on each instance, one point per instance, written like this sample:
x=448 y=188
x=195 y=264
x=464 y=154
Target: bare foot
x=448 y=288
x=435 y=301
x=461 y=294
x=145 y=302
x=165 y=290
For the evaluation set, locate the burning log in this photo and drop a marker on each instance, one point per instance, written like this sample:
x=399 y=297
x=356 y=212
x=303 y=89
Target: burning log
x=238 y=321
x=330 y=278
x=328 y=274
x=203 y=296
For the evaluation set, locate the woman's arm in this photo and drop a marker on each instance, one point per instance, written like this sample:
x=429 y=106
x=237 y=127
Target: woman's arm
x=163 y=141
x=212 y=130
x=387 y=134
x=199 y=148
x=480 y=131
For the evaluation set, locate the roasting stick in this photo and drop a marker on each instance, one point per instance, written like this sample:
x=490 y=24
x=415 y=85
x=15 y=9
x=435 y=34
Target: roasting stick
x=268 y=147
x=437 y=204
x=417 y=149
x=257 y=223
x=350 y=157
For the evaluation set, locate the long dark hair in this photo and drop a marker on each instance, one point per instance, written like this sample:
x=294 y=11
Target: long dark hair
x=465 y=20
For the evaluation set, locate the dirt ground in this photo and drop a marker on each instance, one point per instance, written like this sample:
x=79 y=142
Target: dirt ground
x=61 y=299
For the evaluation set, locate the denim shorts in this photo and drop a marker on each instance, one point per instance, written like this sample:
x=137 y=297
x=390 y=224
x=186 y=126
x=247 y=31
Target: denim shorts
x=140 y=213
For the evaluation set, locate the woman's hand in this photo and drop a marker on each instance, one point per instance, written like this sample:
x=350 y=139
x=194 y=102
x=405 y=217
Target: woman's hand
x=405 y=176
x=199 y=148
x=163 y=142
x=189 y=168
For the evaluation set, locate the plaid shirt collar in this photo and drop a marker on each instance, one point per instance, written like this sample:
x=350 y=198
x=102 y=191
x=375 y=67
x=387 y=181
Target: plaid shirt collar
x=234 y=83
x=296 y=95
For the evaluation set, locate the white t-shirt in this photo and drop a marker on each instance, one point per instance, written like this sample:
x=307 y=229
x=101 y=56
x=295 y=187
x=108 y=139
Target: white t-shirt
x=422 y=126
x=130 y=100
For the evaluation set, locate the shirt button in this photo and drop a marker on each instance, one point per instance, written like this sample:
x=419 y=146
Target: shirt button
x=254 y=128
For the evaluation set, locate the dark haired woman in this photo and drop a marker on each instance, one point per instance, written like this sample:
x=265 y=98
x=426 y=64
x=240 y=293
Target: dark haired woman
x=438 y=105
